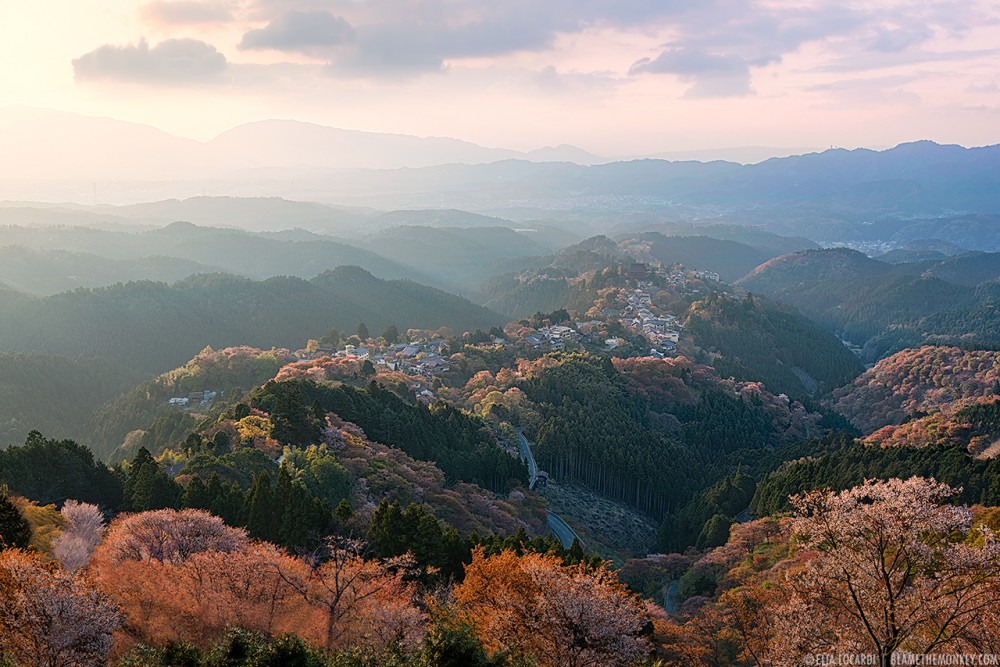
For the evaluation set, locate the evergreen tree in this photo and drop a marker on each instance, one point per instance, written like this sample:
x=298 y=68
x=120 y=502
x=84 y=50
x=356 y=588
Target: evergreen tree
x=196 y=495
x=391 y=334
x=386 y=532
x=15 y=533
x=221 y=443
x=227 y=500
x=343 y=511
x=260 y=516
x=715 y=533
x=451 y=642
x=363 y=332
x=576 y=554
x=50 y=471
x=194 y=444
x=147 y=487
x=331 y=339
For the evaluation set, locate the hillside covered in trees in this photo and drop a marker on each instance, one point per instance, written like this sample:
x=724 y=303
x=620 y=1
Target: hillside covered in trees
x=46 y=260
x=609 y=425
x=913 y=383
x=572 y=277
x=730 y=259
x=154 y=327
x=30 y=384
x=757 y=339
x=144 y=416
x=886 y=307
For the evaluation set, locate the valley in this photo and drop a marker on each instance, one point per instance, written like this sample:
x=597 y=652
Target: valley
x=450 y=388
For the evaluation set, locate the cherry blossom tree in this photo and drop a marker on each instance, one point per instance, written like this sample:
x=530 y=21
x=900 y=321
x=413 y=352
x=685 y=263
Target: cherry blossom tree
x=889 y=567
x=570 y=616
x=361 y=601
x=82 y=531
x=196 y=599
x=169 y=535
x=241 y=589
x=186 y=576
x=49 y=617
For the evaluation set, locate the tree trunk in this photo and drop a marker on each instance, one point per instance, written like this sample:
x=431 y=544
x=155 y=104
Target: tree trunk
x=329 y=631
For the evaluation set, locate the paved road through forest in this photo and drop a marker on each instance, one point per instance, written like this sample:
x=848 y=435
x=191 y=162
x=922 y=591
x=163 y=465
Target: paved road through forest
x=559 y=528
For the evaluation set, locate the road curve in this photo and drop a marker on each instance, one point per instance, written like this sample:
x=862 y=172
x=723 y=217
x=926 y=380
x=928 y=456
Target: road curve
x=562 y=530
x=526 y=455
x=559 y=528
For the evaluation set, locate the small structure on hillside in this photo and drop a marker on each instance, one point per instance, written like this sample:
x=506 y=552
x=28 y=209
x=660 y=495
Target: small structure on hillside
x=638 y=271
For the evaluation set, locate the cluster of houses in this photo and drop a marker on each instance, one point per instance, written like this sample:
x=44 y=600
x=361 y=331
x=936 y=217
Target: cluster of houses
x=662 y=330
x=679 y=278
x=673 y=276
x=413 y=358
x=553 y=338
x=195 y=398
x=708 y=275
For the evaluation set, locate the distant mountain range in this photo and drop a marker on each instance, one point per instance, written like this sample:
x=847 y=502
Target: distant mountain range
x=280 y=174
x=54 y=144
x=841 y=186
x=58 y=145
x=45 y=260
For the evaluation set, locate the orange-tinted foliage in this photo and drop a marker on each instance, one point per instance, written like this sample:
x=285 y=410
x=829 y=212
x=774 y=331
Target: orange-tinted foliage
x=559 y=615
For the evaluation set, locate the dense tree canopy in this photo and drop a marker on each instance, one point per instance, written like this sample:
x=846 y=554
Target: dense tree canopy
x=49 y=471
x=459 y=443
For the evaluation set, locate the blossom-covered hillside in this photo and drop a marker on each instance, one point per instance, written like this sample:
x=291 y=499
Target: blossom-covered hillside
x=916 y=382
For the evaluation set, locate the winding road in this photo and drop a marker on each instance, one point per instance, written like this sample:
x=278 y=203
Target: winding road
x=556 y=524
x=526 y=455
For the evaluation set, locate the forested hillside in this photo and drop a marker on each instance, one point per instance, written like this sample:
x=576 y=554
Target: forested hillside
x=840 y=463
x=459 y=259
x=459 y=444
x=730 y=259
x=649 y=432
x=756 y=339
x=54 y=393
x=913 y=383
x=152 y=327
x=145 y=412
x=45 y=272
x=186 y=245
x=750 y=235
x=887 y=307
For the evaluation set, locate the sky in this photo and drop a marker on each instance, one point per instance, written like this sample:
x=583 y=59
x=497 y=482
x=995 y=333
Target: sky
x=615 y=77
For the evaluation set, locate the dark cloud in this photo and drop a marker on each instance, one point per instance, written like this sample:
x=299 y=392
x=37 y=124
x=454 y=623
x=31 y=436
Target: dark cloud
x=730 y=35
x=387 y=47
x=715 y=51
x=185 y=12
x=713 y=75
x=895 y=40
x=552 y=15
x=408 y=37
x=173 y=61
x=303 y=31
x=416 y=42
